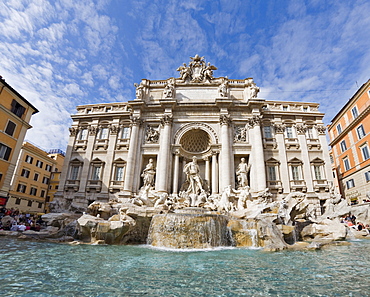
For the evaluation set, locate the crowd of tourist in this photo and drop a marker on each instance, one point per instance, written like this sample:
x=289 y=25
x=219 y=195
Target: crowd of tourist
x=351 y=222
x=14 y=220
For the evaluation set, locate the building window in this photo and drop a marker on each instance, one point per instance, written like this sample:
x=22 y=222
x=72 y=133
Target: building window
x=354 y=112
x=21 y=188
x=39 y=163
x=36 y=177
x=365 y=152
x=350 y=183
x=289 y=132
x=45 y=180
x=17 y=201
x=285 y=108
x=96 y=170
x=267 y=131
x=56 y=187
x=48 y=167
x=42 y=195
x=295 y=172
x=1 y=176
x=29 y=203
x=367 y=176
x=5 y=152
x=346 y=164
x=83 y=134
x=310 y=133
x=343 y=145
x=103 y=133
x=25 y=173
x=339 y=128
x=360 y=132
x=119 y=173
x=317 y=170
x=40 y=205
x=10 y=128
x=74 y=172
x=33 y=191
x=125 y=133
x=17 y=109
x=331 y=159
x=29 y=159
x=272 y=173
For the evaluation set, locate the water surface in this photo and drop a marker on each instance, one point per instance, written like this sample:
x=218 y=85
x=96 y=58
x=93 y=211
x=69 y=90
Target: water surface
x=47 y=269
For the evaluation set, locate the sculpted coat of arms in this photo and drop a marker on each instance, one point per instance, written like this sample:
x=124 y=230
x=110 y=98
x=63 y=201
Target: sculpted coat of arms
x=197 y=71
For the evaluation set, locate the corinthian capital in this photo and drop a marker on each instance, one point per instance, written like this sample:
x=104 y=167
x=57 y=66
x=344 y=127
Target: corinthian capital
x=321 y=129
x=279 y=128
x=136 y=121
x=301 y=129
x=225 y=119
x=73 y=131
x=255 y=120
x=166 y=119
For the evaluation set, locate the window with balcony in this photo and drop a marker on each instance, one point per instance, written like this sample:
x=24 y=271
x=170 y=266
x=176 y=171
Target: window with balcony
x=343 y=145
x=5 y=152
x=10 y=128
x=104 y=133
x=289 y=132
x=82 y=135
x=360 y=132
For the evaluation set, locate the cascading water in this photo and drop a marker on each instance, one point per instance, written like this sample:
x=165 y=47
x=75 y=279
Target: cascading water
x=189 y=228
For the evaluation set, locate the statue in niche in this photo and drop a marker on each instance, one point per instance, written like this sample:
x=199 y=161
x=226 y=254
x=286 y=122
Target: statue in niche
x=192 y=177
x=222 y=89
x=208 y=72
x=148 y=174
x=242 y=173
x=139 y=90
x=254 y=90
x=185 y=72
x=152 y=135
x=169 y=89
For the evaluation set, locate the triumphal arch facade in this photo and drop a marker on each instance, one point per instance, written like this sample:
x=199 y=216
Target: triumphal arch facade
x=236 y=139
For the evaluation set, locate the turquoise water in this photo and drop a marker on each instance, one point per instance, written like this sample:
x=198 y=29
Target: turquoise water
x=47 y=269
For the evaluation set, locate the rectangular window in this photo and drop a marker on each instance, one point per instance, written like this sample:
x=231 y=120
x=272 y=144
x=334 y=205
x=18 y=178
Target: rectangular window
x=289 y=132
x=33 y=191
x=36 y=177
x=367 y=176
x=272 y=173
x=40 y=205
x=96 y=172
x=119 y=174
x=17 y=201
x=339 y=128
x=354 y=112
x=39 y=163
x=350 y=183
x=25 y=173
x=295 y=172
x=17 y=109
x=10 y=128
x=21 y=188
x=74 y=172
x=5 y=152
x=317 y=170
x=82 y=135
x=267 y=131
x=310 y=133
x=365 y=152
x=42 y=195
x=29 y=203
x=45 y=180
x=360 y=132
x=125 y=133
x=343 y=145
x=346 y=164
x=56 y=187
x=29 y=159
x=48 y=167
x=103 y=133
x=1 y=176
x=331 y=159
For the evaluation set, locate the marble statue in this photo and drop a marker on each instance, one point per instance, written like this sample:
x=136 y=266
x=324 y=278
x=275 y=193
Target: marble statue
x=139 y=90
x=254 y=90
x=225 y=203
x=191 y=170
x=222 y=89
x=169 y=89
x=242 y=173
x=244 y=195
x=148 y=174
x=197 y=71
x=208 y=71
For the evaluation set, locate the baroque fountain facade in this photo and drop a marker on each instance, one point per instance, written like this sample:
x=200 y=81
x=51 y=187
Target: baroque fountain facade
x=199 y=161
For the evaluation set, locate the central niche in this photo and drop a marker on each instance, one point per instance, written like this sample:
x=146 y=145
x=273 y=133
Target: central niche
x=195 y=141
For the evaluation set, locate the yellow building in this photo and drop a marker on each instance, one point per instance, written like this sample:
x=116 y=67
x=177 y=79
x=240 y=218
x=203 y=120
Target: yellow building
x=57 y=155
x=15 y=115
x=30 y=183
x=349 y=134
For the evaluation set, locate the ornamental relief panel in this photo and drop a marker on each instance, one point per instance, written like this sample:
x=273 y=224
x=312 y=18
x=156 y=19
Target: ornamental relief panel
x=240 y=134
x=151 y=134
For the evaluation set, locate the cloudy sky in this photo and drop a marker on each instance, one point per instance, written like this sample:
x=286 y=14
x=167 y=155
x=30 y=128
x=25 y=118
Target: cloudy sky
x=63 y=53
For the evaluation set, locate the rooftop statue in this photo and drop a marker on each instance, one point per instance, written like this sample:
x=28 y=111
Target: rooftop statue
x=197 y=71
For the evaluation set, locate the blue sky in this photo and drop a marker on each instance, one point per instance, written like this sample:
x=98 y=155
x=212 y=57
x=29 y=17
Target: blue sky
x=63 y=53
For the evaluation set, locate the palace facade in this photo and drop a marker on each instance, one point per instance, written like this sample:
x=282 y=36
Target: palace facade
x=217 y=120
